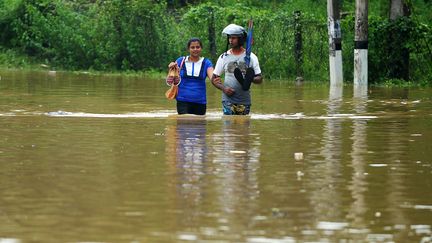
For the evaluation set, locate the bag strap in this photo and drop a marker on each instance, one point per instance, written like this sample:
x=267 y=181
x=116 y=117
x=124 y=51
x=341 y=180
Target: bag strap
x=181 y=65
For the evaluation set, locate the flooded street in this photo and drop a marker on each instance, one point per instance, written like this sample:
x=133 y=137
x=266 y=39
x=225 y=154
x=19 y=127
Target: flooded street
x=86 y=158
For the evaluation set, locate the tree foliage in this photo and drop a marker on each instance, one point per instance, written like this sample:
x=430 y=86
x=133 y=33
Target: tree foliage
x=147 y=34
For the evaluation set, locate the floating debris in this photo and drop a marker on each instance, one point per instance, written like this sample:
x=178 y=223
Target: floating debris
x=270 y=240
x=423 y=207
x=298 y=156
x=325 y=225
x=378 y=165
x=237 y=152
x=187 y=237
x=299 y=175
x=416 y=135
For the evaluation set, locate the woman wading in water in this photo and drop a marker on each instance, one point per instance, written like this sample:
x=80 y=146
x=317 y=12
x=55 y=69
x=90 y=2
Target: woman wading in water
x=194 y=69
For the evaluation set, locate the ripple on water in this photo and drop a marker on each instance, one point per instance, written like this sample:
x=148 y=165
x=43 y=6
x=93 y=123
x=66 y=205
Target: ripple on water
x=208 y=116
x=325 y=225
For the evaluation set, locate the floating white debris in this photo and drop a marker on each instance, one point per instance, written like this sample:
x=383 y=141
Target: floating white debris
x=237 y=152
x=299 y=175
x=416 y=135
x=426 y=239
x=188 y=237
x=325 y=225
x=378 y=165
x=420 y=226
x=134 y=214
x=309 y=232
x=421 y=229
x=379 y=237
x=270 y=240
x=298 y=156
x=423 y=207
x=358 y=231
x=9 y=240
x=259 y=218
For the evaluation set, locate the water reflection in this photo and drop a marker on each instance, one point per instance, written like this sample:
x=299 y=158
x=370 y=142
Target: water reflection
x=235 y=158
x=217 y=183
x=336 y=92
x=360 y=91
x=326 y=200
x=358 y=184
x=187 y=153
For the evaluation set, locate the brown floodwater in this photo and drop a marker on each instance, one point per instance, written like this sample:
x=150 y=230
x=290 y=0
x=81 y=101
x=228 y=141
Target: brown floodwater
x=87 y=158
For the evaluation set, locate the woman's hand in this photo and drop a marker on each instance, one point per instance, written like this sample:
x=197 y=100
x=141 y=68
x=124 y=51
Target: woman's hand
x=228 y=91
x=172 y=65
x=217 y=82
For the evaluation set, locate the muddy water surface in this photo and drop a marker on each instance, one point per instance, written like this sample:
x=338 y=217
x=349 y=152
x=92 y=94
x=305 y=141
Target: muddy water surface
x=105 y=159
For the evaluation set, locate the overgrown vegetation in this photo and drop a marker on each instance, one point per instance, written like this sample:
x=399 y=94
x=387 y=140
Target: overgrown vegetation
x=137 y=35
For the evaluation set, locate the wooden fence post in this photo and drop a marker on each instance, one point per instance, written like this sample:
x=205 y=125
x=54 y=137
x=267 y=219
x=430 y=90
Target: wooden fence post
x=298 y=46
x=335 y=42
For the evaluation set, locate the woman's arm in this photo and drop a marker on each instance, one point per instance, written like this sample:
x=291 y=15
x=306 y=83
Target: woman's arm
x=216 y=81
x=210 y=72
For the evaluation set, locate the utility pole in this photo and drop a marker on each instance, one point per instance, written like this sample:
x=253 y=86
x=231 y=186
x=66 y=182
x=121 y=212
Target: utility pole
x=335 y=42
x=398 y=52
x=361 y=45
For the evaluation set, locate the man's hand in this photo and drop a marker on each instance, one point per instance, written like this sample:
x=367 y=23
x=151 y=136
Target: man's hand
x=258 y=79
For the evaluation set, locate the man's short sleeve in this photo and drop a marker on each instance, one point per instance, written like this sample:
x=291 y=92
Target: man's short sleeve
x=219 y=69
x=255 y=63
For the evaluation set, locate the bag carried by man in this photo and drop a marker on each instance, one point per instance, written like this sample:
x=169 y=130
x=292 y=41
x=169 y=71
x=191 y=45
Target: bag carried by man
x=173 y=80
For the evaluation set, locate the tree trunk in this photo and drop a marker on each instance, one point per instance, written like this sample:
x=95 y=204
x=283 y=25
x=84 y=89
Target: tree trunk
x=399 y=8
x=399 y=64
x=212 y=35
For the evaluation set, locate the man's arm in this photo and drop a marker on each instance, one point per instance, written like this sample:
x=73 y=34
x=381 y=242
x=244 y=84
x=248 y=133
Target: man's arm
x=216 y=81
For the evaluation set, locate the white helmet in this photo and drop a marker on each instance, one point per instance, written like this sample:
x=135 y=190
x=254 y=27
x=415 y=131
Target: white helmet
x=234 y=30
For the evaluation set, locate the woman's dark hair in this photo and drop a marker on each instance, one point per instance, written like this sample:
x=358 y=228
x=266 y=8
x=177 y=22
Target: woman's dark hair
x=194 y=39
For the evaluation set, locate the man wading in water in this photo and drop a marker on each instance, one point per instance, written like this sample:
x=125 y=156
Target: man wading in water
x=236 y=98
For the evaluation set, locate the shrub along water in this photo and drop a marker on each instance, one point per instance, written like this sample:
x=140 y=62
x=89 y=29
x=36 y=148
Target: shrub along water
x=138 y=35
